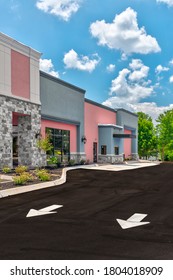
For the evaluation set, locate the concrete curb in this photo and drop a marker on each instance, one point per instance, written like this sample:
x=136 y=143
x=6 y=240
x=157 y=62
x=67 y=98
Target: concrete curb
x=35 y=187
x=62 y=180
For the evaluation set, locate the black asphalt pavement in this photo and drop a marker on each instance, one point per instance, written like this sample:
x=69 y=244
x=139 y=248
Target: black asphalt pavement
x=86 y=226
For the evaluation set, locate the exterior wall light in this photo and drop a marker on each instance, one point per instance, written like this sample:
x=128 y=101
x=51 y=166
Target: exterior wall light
x=84 y=139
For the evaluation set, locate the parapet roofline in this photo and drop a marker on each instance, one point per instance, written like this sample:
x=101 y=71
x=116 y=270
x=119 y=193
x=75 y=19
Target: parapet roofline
x=18 y=46
x=127 y=111
x=59 y=81
x=109 y=108
x=100 y=105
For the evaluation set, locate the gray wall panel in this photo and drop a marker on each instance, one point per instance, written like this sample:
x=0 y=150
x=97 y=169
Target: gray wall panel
x=62 y=101
x=129 y=121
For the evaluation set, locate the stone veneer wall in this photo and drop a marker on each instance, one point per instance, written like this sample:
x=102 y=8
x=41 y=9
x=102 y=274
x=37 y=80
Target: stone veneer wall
x=29 y=126
x=115 y=158
x=78 y=157
x=135 y=157
x=111 y=158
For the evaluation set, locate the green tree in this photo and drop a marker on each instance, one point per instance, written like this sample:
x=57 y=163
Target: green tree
x=147 y=138
x=165 y=135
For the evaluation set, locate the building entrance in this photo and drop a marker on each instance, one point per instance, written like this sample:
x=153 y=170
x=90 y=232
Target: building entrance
x=60 y=140
x=95 y=152
x=15 y=151
x=116 y=150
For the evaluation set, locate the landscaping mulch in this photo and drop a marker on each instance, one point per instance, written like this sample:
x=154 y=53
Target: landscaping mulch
x=6 y=184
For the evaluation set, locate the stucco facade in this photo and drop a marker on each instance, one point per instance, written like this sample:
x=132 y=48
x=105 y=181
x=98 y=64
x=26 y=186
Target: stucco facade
x=96 y=114
x=111 y=133
x=63 y=108
x=20 y=107
x=129 y=121
x=33 y=103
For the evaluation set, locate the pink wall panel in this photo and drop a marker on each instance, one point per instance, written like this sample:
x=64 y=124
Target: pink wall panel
x=57 y=125
x=20 y=75
x=15 y=119
x=95 y=115
x=127 y=144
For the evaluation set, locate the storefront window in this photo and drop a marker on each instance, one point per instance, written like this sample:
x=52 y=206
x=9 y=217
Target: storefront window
x=116 y=149
x=103 y=150
x=60 y=140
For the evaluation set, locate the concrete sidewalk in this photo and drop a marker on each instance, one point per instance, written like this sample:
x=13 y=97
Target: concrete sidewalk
x=123 y=166
x=62 y=180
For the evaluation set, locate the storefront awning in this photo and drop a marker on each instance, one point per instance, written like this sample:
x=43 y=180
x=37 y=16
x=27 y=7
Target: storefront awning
x=115 y=135
x=110 y=125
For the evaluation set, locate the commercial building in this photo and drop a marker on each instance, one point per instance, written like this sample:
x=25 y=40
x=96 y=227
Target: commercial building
x=33 y=103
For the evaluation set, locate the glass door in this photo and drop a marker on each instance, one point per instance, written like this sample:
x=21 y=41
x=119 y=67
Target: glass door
x=95 y=152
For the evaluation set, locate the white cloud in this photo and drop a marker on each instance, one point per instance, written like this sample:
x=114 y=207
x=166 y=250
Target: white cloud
x=128 y=93
x=124 y=34
x=84 y=63
x=160 y=69
x=130 y=87
x=168 y=2
x=124 y=57
x=171 y=62
x=136 y=64
x=140 y=70
x=171 y=79
x=61 y=8
x=119 y=84
x=110 y=68
x=46 y=65
x=150 y=108
x=131 y=84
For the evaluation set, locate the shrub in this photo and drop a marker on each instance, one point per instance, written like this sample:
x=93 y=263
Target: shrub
x=6 y=169
x=39 y=171
x=23 y=178
x=71 y=162
x=82 y=161
x=27 y=176
x=43 y=175
x=19 y=180
x=21 y=169
x=53 y=160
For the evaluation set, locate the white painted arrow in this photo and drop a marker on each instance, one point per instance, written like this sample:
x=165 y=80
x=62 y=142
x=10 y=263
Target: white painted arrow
x=133 y=221
x=43 y=211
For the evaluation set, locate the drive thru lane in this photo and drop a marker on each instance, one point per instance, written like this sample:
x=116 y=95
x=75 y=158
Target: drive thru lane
x=86 y=226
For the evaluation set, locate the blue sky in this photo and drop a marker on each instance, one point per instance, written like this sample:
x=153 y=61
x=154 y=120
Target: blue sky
x=120 y=52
